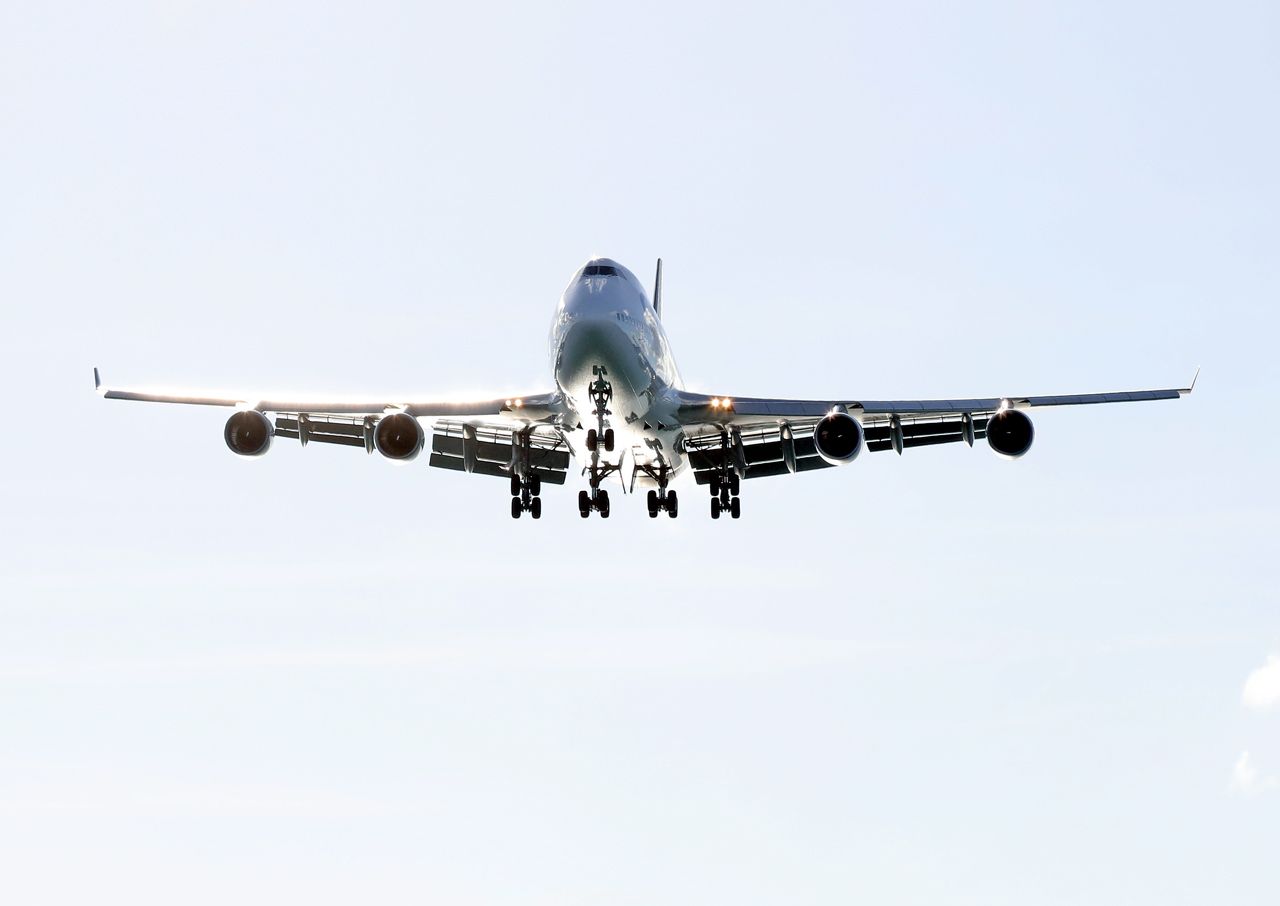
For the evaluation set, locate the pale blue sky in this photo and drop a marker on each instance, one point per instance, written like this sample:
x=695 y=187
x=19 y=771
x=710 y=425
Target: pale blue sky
x=939 y=678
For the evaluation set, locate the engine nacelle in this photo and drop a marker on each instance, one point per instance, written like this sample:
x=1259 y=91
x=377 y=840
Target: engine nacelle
x=248 y=433
x=1009 y=433
x=399 y=436
x=838 y=438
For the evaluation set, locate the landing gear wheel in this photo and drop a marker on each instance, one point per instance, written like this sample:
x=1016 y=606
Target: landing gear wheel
x=535 y=508
x=715 y=507
x=584 y=504
x=608 y=440
x=602 y=503
x=735 y=507
x=516 y=508
x=733 y=485
x=652 y=500
x=715 y=485
x=673 y=504
x=515 y=485
x=592 y=440
x=535 y=487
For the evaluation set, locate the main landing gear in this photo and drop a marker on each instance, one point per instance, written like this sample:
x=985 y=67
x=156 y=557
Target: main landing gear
x=724 y=490
x=525 y=496
x=526 y=486
x=661 y=499
x=596 y=499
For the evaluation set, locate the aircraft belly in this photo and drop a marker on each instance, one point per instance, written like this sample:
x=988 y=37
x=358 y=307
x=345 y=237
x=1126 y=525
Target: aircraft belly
x=592 y=348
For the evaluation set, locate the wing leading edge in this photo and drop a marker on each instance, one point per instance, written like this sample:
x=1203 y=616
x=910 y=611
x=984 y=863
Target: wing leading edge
x=533 y=407
x=747 y=410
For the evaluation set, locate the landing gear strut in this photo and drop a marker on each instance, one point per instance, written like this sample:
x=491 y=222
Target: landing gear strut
x=601 y=393
x=725 y=484
x=526 y=486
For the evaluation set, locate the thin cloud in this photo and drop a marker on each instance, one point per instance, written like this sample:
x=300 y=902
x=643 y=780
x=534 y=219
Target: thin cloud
x=1246 y=779
x=96 y=795
x=634 y=652
x=1262 y=688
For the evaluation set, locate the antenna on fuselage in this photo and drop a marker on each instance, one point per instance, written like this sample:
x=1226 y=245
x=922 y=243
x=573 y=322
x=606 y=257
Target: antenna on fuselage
x=657 y=290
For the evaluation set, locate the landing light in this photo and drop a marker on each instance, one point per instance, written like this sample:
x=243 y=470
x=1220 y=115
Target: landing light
x=519 y=403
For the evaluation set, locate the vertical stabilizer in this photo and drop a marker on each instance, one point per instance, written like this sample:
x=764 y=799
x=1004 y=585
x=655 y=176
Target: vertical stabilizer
x=657 y=290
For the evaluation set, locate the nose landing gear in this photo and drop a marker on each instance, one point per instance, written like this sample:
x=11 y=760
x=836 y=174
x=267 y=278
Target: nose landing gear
x=601 y=393
x=597 y=439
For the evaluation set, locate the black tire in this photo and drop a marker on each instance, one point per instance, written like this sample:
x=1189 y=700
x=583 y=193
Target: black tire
x=535 y=508
x=515 y=485
x=673 y=504
x=715 y=485
x=608 y=440
x=602 y=501
x=584 y=504
x=733 y=485
x=652 y=501
x=516 y=508
x=715 y=507
x=735 y=507
x=591 y=441
x=535 y=485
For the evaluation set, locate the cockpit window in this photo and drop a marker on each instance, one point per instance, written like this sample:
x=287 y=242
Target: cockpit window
x=599 y=270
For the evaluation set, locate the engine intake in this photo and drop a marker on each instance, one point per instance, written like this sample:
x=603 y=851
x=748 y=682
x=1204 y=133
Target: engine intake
x=838 y=438
x=1010 y=433
x=399 y=437
x=248 y=433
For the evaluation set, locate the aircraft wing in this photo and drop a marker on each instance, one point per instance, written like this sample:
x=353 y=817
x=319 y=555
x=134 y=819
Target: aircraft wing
x=774 y=436
x=523 y=408
x=473 y=436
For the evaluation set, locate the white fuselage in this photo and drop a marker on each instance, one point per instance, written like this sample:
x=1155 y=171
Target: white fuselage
x=606 y=326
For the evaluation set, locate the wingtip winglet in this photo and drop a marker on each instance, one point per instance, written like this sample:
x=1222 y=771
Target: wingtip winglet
x=1195 y=377
x=97 y=379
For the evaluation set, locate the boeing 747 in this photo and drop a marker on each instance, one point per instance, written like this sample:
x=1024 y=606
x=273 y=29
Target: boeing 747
x=619 y=408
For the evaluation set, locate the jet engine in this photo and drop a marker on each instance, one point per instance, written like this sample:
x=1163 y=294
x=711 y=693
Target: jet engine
x=249 y=433
x=1009 y=432
x=838 y=438
x=399 y=436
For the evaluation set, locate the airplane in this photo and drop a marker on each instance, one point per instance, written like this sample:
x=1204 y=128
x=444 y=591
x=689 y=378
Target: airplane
x=619 y=407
